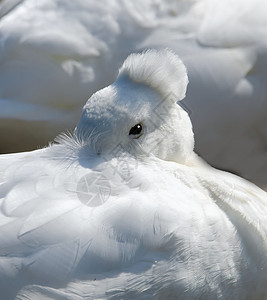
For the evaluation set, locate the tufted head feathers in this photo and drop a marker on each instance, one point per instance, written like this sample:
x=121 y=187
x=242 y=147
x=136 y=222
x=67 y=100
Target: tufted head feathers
x=162 y=71
x=139 y=111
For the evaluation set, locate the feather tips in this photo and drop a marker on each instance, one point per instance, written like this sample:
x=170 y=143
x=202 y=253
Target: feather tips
x=161 y=70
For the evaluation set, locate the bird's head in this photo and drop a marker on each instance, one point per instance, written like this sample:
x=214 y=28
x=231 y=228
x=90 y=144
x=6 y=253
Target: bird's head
x=138 y=112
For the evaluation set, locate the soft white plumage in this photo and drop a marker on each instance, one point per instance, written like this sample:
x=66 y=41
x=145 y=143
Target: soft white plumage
x=120 y=211
x=55 y=54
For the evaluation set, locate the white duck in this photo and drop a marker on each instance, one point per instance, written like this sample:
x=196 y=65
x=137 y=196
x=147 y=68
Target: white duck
x=124 y=209
x=55 y=54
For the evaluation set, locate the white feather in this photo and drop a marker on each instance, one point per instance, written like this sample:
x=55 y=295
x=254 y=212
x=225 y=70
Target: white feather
x=169 y=75
x=125 y=222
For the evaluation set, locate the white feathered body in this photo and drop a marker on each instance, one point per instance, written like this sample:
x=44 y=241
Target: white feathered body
x=124 y=209
x=151 y=229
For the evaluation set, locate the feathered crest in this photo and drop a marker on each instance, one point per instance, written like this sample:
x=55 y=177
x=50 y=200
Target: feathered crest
x=161 y=70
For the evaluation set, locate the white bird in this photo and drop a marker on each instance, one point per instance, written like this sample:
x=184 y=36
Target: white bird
x=55 y=54
x=124 y=208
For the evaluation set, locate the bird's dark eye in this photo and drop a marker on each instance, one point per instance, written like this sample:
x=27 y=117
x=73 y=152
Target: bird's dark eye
x=136 y=131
